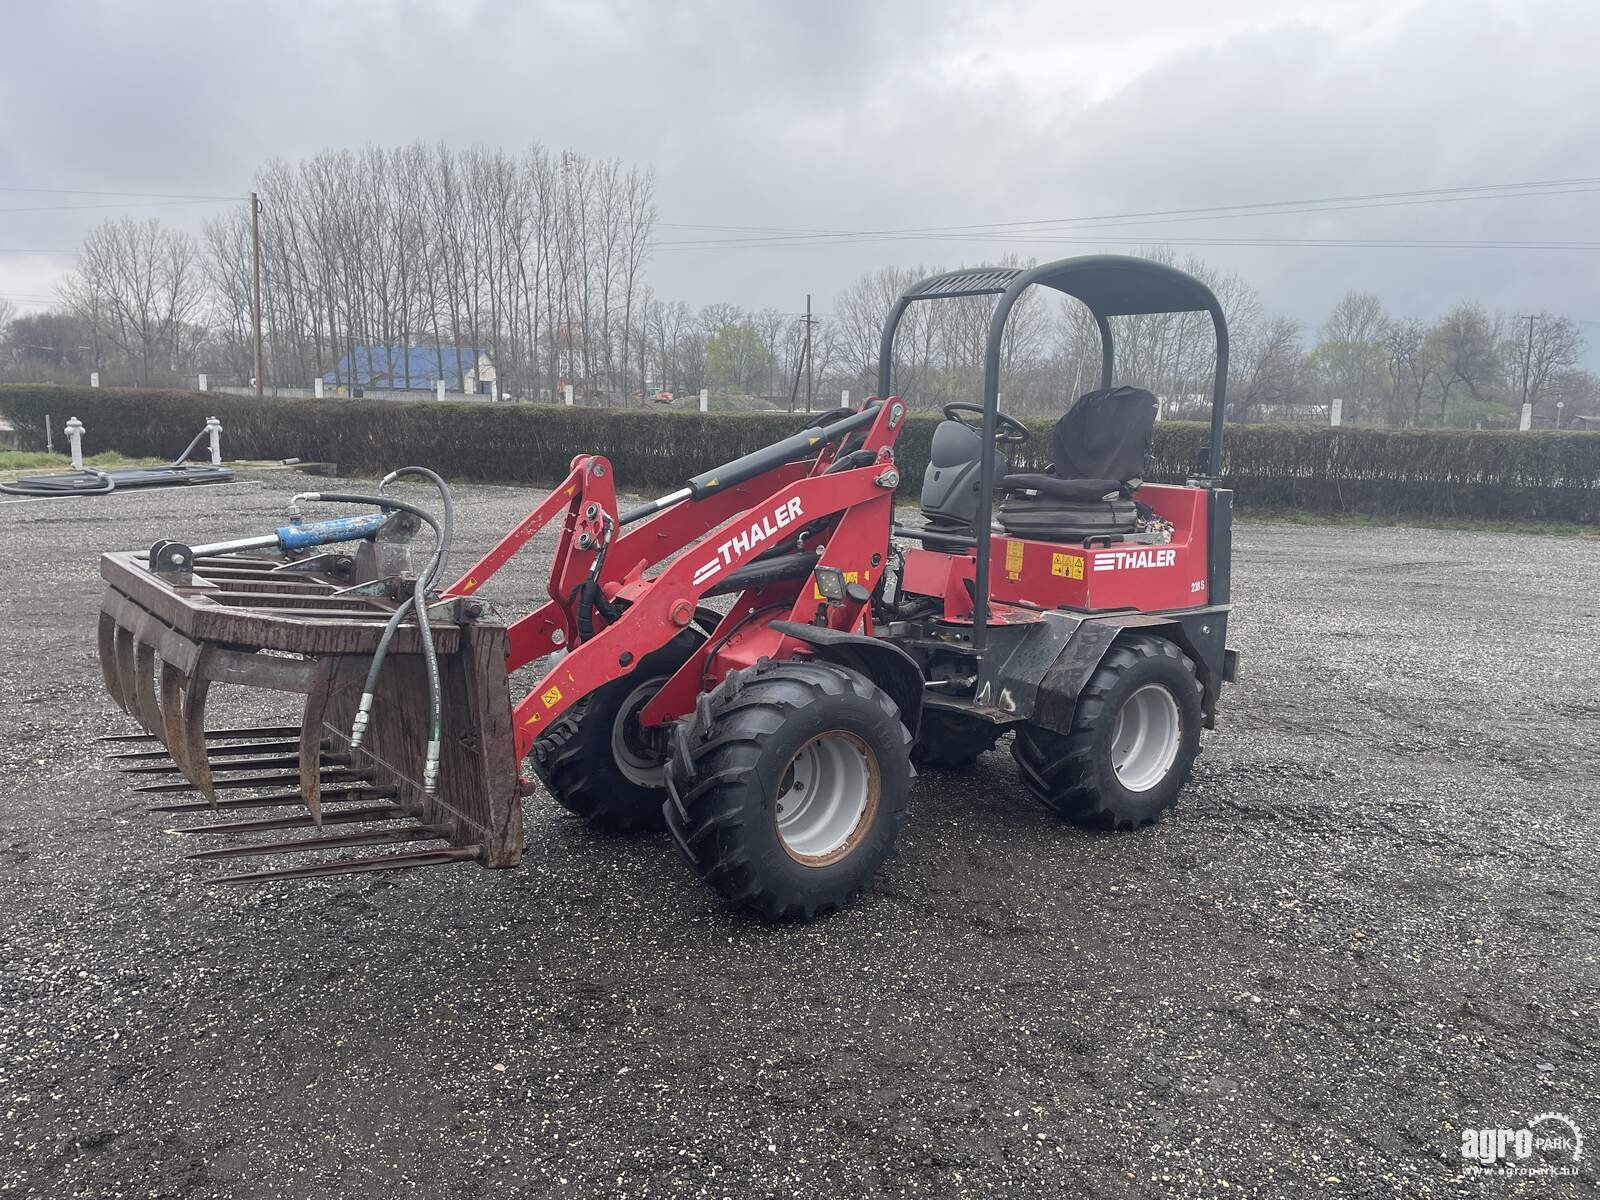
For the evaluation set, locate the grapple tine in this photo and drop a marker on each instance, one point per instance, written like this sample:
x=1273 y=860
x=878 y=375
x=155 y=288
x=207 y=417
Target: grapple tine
x=337 y=775
x=213 y=735
x=348 y=816
x=193 y=739
x=381 y=837
x=235 y=764
x=170 y=694
x=357 y=866
x=311 y=742
x=213 y=752
x=277 y=800
x=106 y=639
x=146 y=707
x=122 y=648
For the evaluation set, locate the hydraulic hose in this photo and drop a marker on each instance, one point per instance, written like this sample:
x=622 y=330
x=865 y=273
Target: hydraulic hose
x=418 y=601
x=75 y=484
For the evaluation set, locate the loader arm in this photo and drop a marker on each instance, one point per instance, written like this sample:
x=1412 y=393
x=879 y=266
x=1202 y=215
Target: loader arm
x=659 y=607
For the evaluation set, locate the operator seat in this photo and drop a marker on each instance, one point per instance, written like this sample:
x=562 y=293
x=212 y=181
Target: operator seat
x=950 y=486
x=1100 y=447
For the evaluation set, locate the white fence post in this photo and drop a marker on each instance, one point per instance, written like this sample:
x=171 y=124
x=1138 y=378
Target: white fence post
x=1527 y=418
x=316 y=386
x=202 y=381
x=1335 y=411
x=214 y=428
x=705 y=400
x=94 y=379
x=75 y=436
x=49 y=442
x=438 y=390
x=566 y=394
x=844 y=398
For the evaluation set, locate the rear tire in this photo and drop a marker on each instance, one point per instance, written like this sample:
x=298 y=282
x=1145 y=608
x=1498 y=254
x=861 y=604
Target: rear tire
x=948 y=741
x=599 y=763
x=1135 y=734
x=788 y=787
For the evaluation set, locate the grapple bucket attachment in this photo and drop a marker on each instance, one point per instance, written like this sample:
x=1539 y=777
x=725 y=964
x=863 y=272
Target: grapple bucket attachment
x=168 y=639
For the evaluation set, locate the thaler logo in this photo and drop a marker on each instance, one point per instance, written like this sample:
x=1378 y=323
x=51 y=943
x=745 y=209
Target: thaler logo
x=1125 y=560
x=786 y=513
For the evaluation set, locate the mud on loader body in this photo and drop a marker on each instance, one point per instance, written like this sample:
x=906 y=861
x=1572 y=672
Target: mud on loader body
x=772 y=733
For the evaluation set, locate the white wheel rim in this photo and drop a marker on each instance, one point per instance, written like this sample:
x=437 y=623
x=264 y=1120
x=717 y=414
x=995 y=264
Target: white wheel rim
x=632 y=757
x=1147 y=737
x=826 y=798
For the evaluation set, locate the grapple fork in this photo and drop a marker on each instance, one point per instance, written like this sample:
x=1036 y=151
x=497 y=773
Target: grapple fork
x=167 y=638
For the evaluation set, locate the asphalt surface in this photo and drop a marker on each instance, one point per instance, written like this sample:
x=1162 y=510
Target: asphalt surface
x=1371 y=923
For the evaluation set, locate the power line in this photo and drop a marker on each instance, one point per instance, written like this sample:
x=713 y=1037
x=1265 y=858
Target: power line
x=43 y=191
x=1497 y=191
x=1181 y=240
x=132 y=204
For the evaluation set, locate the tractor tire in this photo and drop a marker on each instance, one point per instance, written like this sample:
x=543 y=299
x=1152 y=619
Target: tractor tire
x=1135 y=734
x=949 y=741
x=788 y=787
x=596 y=760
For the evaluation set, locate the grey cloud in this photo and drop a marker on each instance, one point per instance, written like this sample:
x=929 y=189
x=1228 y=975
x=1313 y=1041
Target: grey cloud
x=841 y=115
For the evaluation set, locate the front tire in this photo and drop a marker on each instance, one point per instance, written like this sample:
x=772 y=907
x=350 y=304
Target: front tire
x=599 y=763
x=1135 y=734
x=788 y=787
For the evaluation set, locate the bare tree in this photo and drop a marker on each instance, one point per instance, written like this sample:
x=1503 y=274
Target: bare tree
x=139 y=285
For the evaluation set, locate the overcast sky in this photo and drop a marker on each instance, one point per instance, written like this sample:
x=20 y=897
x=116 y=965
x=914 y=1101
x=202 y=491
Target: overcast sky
x=862 y=116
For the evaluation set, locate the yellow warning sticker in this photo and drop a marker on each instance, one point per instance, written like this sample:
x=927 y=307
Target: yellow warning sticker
x=552 y=697
x=1013 y=560
x=1067 y=566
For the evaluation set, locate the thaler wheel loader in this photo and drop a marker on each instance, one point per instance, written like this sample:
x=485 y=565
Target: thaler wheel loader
x=754 y=661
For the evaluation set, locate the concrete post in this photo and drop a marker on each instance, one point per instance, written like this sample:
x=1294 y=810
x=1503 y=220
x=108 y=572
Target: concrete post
x=844 y=398
x=566 y=393
x=202 y=381
x=1527 y=418
x=75 y=436
x=705 y=400
x=438 y=390
x=1335 y=411
x=316 y=387
x=214 y=428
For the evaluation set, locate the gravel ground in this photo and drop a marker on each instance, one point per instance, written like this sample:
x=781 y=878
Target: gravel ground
x=1371 y=922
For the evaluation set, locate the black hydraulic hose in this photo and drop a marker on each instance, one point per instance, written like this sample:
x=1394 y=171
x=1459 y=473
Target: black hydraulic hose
x=62 y=485
x=589 y=596
x=417 y=601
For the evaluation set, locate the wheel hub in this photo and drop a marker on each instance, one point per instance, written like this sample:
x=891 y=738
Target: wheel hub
x=826 y=799
x=640 y=752
x=1147 y=738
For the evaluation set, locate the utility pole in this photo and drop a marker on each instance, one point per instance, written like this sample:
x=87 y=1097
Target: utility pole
x=255 y=296
x=1527 y=354
x=810 y=321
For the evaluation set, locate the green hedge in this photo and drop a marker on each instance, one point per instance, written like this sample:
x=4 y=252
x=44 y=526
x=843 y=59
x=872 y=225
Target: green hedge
x=1510 y=476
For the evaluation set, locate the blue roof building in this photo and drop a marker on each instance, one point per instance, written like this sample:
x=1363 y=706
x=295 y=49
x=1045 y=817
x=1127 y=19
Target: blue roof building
x=415 y=367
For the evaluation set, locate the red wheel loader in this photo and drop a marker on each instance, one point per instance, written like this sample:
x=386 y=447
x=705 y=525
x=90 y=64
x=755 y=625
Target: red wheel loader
x=753 y=662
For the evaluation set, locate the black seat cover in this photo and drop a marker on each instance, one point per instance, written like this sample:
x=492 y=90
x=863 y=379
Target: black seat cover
x=1105 y=435
x=1100 y=447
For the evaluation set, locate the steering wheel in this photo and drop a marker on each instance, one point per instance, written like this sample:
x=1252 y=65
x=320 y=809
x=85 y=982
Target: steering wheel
x=1008 y=430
